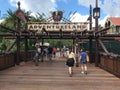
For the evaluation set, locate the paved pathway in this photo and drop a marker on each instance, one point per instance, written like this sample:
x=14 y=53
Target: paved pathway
x=54 y=76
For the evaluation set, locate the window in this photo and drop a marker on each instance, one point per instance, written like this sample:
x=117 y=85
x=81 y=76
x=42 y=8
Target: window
x=117 y=29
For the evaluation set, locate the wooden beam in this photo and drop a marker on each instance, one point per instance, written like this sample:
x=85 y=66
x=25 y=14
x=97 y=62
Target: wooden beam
x=11 y=30
x=11 y=46
x=103 y=46
x=104 y=29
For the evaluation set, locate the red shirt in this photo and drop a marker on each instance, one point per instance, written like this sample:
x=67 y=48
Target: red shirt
x=54 y=49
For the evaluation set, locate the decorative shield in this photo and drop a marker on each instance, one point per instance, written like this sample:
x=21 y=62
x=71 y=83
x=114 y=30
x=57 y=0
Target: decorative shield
x=57 y=15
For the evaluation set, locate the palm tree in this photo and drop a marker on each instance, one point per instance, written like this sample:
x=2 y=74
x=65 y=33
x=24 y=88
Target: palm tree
x=38 y=18
x=10 y=19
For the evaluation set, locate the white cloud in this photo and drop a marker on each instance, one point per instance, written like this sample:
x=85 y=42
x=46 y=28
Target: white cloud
x=103 y=5
x=109 y=7
x=1 y=20
x=77 y=17
x=102 y=22
x=86 y=3
x=36 y=6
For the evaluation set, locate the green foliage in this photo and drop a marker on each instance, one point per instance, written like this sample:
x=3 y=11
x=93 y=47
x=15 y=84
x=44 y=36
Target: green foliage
x=11 y=22
x=60 y=43
x=37 y=18
x=31 y=44
x=5 y=43
x=10 y=19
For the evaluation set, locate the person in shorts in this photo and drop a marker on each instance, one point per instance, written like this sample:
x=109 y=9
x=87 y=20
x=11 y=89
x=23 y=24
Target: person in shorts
x=70 y=62
x=83 y=60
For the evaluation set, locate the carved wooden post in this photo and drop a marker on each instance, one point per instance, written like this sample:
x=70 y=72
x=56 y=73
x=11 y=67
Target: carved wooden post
x=18 y=44
x=90 y=37
x=26 y=48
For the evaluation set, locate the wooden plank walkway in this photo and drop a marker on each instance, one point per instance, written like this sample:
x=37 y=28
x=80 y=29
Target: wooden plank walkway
x=54 y=76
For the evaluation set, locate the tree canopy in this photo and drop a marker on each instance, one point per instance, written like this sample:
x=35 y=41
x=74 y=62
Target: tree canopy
x=10 y=21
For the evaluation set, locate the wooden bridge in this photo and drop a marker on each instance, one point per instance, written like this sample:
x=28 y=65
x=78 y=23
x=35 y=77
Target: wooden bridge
x=22 y=74
x=54 y=76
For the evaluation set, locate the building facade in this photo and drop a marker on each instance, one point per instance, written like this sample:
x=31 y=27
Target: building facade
x=114 y=23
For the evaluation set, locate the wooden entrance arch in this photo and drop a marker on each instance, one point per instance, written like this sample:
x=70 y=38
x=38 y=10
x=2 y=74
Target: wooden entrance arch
x=55 y=29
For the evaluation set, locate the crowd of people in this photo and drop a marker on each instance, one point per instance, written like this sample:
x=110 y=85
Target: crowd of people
x=45 y=51
x=51 y=51
x=71 y=57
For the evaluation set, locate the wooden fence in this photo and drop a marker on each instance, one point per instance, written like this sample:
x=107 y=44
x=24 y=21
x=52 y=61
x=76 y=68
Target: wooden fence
x=110 y=63
x=8 y=59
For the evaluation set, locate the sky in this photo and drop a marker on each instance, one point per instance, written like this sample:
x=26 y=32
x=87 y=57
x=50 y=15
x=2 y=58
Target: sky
x=74 y=10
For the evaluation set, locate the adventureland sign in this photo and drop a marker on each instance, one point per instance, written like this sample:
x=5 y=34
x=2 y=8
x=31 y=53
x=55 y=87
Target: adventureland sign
x=57 y=26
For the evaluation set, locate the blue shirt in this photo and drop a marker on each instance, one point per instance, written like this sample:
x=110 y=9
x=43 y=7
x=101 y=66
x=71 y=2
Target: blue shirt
x=83 y=56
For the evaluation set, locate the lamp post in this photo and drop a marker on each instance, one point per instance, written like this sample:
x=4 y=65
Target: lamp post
x=96 y=16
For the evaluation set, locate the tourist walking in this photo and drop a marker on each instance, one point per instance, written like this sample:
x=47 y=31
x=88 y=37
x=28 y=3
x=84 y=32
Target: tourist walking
x=50 y=50
x=83 y=60
x=70 y=62
x=37 y=53
x=54 y=52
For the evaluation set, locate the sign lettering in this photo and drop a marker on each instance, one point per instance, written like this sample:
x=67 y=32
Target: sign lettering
x=57 y=26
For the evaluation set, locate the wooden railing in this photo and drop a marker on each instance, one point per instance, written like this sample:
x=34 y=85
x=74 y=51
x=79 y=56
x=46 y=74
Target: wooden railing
x=6 y=60
x=110 y=63
x=9 y=59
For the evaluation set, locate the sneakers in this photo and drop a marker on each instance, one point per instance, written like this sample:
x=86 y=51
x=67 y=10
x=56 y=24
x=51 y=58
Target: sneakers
x=84 y=72
x=70 y=75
